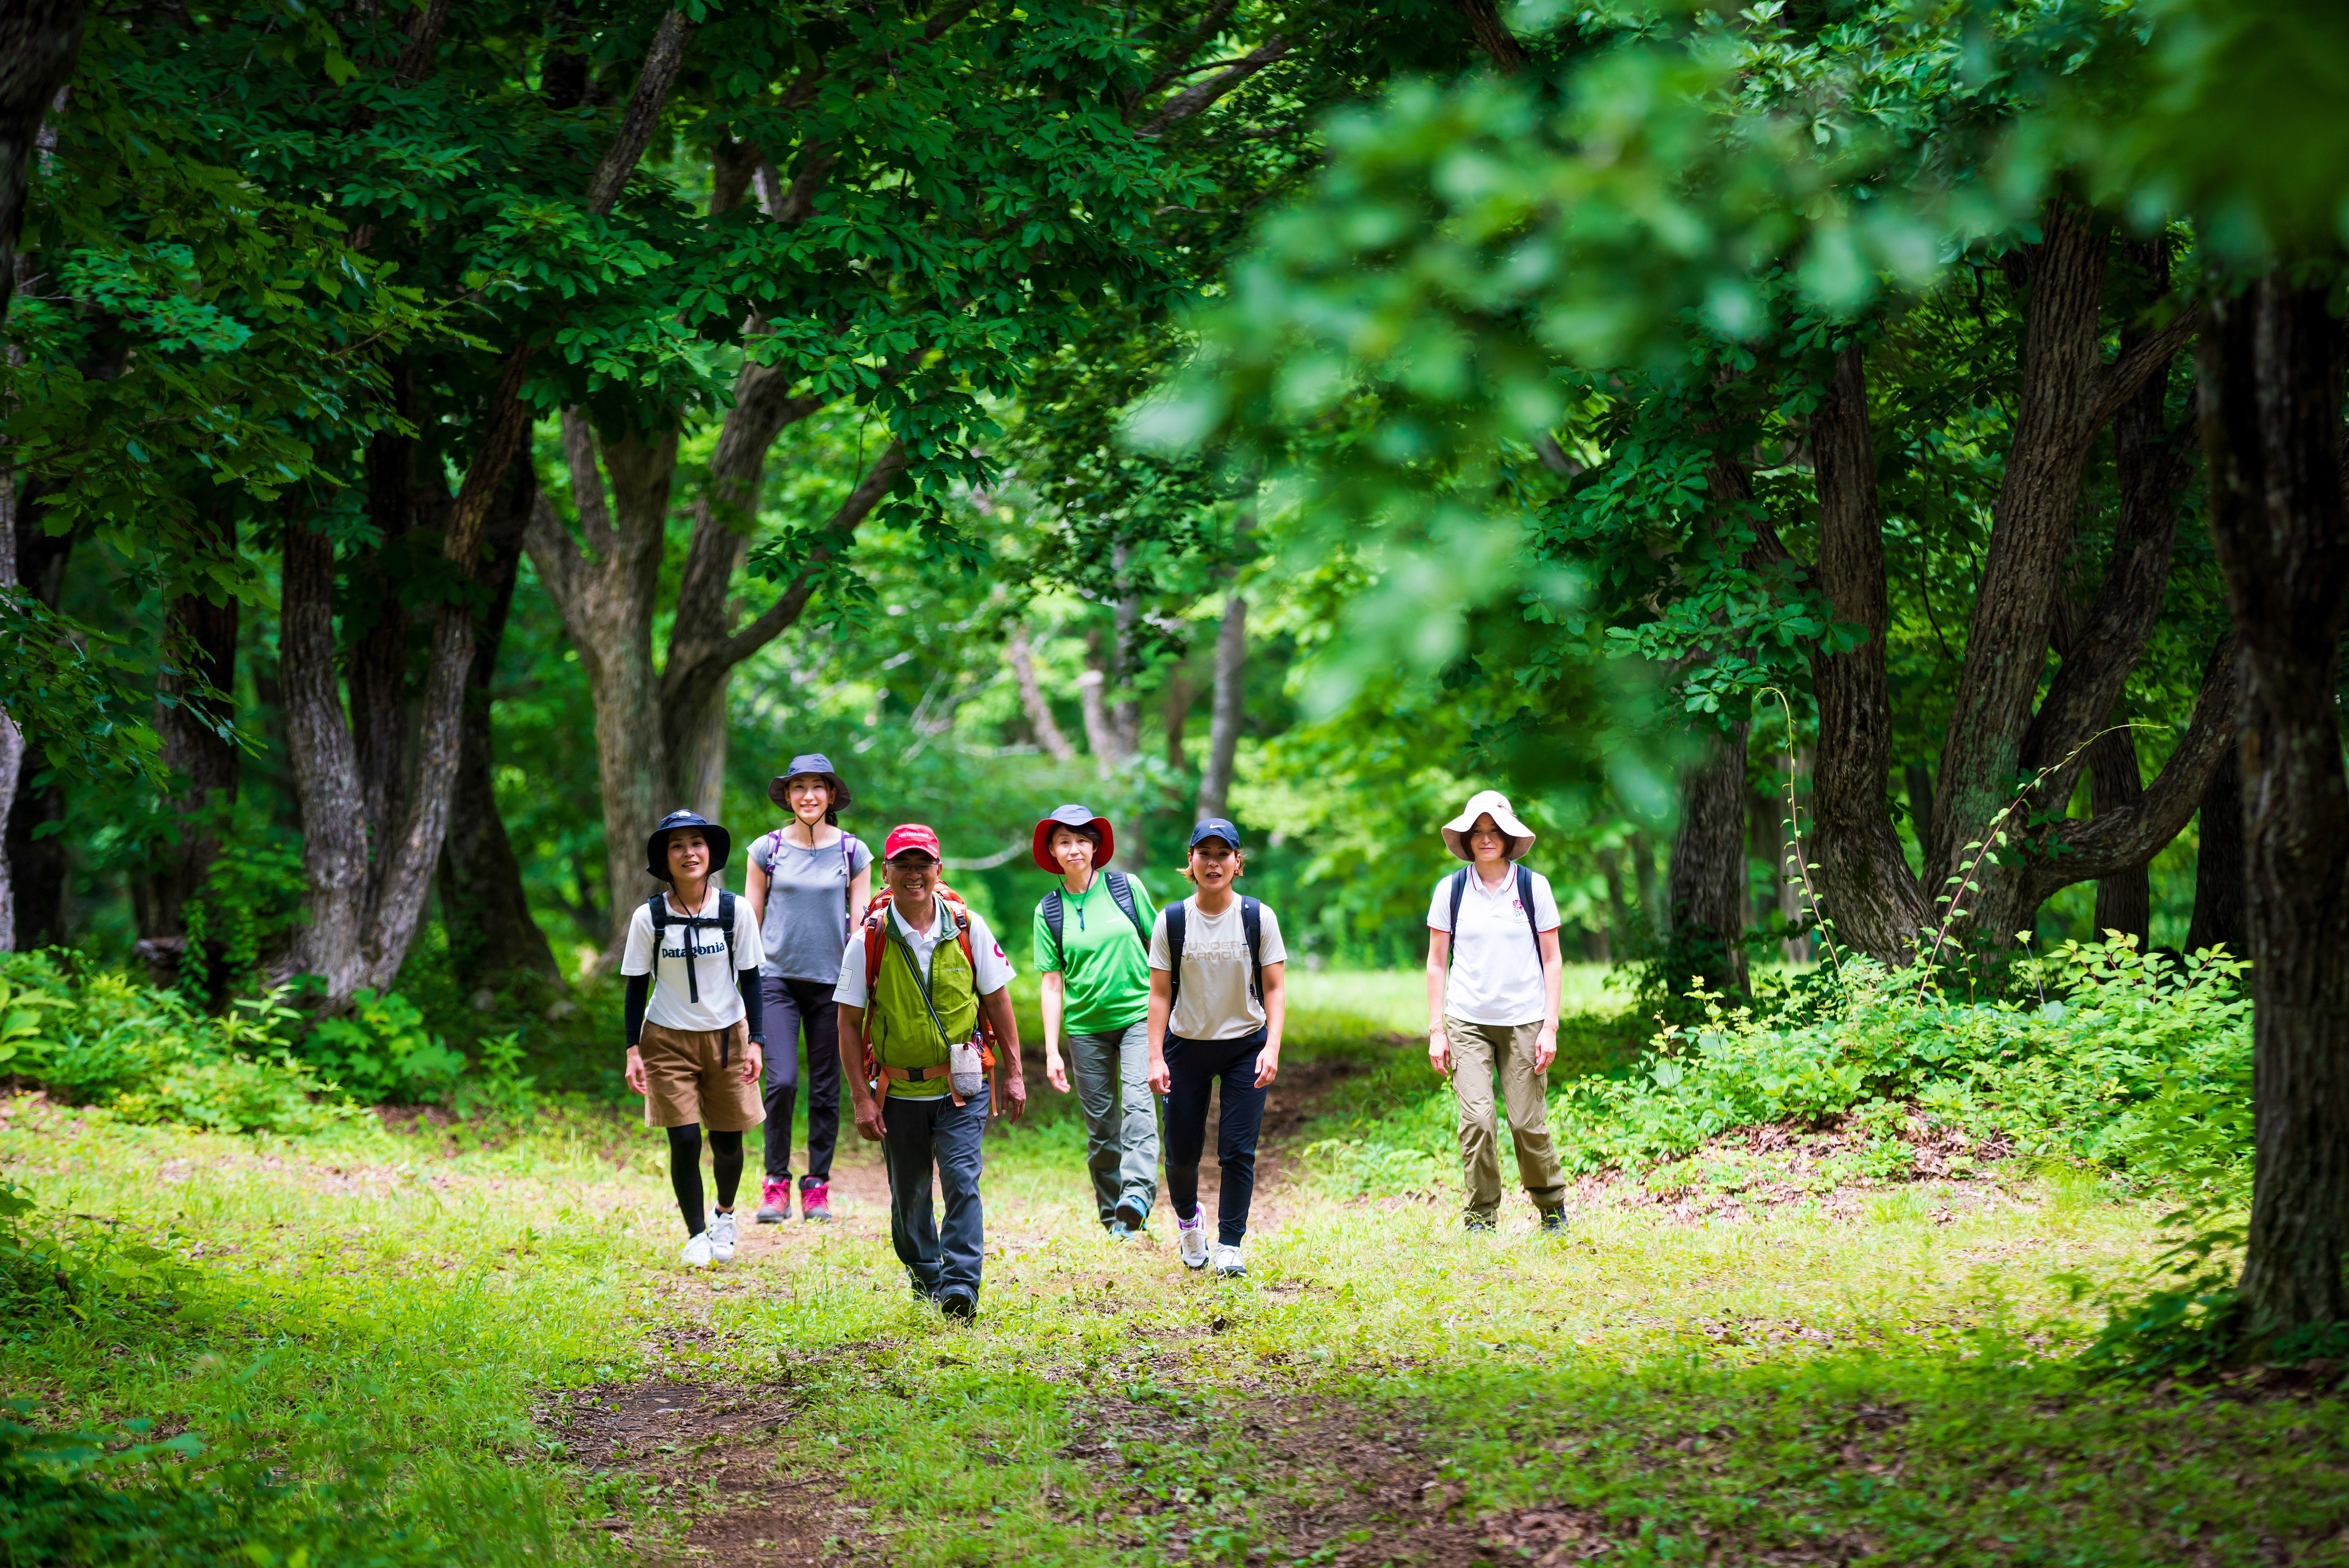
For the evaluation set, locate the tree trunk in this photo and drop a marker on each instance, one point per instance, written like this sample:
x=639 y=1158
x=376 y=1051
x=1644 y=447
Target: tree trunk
x=1124 y=663
x=376 y=625
x=2272 y=369
x=39 y=40
x=1652 y=908
x=2125 y=899
x=2030 y=536
x=2218 y=917
x=33 y=867
x=491 y=937
x=1873 y=900
x=200 y=652
x=1046 y=729
x=12 y=738
x=1493 y=35
x=1229 y=710
x=1101 y=734
x=1708 y=869
x=1920 y=779
x=324 y=764
x=1177 y=711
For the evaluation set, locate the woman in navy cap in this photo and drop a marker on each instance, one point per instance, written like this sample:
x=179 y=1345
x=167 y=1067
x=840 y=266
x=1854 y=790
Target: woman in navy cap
x=809 y=882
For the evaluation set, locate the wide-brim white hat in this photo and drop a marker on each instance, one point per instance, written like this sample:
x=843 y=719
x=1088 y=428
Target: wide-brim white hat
x=1455 y=832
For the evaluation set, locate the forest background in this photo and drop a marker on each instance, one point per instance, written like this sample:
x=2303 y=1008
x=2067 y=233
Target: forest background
x=444 y=439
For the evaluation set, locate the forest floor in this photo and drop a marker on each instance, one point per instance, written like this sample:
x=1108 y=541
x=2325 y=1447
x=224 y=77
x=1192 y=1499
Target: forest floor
x=1875 y=1375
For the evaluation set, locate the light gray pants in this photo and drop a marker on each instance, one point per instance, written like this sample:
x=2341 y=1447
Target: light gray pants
x=1121 y=1139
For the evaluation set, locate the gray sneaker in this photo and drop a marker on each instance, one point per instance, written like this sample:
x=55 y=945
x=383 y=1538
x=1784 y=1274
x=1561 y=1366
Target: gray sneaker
x=1229 y=1264
x=1191 y=1240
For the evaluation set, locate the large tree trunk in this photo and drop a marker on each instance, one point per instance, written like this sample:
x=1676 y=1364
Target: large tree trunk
x=1101 y=732
x=200 y=648
x=39 y=40
x=1230 y=709
x=491 y=937
x=1870 y=896
x=2219 y=916
x=33 y=872
x=2272 y=374
x=325 y=767
x=12 y=738
x=2125 y=899
x=1708 y=872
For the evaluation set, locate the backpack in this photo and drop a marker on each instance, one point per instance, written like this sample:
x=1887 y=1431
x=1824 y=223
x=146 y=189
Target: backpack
x=657 y=906
x=847 y=877
x=1525 y=897
x=1120 y=893
x=1178 y=915
x=876 y=945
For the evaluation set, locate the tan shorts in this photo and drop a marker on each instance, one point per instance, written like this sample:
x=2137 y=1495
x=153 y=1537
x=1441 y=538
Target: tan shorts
x=685 y=1084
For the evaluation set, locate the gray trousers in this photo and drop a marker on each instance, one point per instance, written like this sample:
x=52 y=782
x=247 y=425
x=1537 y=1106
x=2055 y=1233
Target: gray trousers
x=918 y=1136
x=1121 y=1139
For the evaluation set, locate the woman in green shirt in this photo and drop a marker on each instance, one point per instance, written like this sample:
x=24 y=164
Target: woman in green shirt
x=1092 y=949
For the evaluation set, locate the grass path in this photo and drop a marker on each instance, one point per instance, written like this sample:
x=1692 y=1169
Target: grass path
x=1879 y=1378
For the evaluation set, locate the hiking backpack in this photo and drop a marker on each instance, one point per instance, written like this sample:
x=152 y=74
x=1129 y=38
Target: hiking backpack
x=876 y=948
x=1178 y=915
x=657 y=906
x=847 y=878
x=1120 y=893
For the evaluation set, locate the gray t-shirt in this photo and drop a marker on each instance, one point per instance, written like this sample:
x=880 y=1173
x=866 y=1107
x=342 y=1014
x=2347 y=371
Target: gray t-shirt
x=807 y=904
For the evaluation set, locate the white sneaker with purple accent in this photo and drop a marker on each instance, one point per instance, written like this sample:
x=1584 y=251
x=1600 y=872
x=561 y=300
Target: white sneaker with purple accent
x=1191 y=1240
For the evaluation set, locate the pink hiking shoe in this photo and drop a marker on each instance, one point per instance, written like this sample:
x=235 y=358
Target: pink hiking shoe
x=774 y=1202
x=815 y=1202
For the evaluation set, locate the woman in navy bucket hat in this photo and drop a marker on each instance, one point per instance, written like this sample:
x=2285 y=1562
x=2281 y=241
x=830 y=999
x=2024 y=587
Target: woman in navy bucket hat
x=809 y=882
x=1093 y=951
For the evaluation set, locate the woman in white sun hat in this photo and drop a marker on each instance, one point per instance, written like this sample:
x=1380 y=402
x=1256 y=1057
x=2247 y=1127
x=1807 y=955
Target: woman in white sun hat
x=1494 y=985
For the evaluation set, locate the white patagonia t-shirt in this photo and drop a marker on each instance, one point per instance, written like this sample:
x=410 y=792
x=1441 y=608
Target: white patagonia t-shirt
x=1214 y=1001
x=990 y=970
x=1496 y=976
x=672 y=1006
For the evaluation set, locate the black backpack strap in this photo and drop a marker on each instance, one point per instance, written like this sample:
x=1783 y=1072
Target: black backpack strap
x=1175 y=916
x=1252 y=926
x=1120 y=893
x=1525 y=897
x=1055 y=921
x=726 y=919
x=1459 y=889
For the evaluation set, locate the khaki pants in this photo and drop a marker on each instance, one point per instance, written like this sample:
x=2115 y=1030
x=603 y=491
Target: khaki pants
x=695 y=1075
x=1476 y=1049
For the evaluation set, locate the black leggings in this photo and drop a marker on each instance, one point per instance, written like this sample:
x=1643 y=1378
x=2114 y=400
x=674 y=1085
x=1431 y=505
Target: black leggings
x=685 y=1171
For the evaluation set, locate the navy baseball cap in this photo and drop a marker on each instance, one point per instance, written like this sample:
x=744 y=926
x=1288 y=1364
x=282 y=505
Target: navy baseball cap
x=1215 y=828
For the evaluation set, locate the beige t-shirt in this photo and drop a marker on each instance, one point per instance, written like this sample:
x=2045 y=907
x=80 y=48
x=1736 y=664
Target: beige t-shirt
x=1214 y=1003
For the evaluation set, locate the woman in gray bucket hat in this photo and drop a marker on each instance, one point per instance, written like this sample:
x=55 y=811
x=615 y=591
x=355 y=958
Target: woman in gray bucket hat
x=1494 y=981
x=808 y=882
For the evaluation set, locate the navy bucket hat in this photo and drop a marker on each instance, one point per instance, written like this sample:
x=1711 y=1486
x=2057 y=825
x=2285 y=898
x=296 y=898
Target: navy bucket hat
x=721 y=842
x=811 y=765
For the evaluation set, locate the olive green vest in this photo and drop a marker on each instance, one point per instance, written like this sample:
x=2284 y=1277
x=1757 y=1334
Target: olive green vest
x=898 y=1027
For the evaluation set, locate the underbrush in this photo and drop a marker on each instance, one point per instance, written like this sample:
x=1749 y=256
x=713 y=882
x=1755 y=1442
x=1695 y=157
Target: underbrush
x=149 y=1056
x=2133 y=1063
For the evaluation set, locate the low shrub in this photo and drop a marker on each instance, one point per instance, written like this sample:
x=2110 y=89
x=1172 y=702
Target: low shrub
x=2131 y=1061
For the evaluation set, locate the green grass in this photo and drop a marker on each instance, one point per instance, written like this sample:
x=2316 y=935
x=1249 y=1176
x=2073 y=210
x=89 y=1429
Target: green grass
x=1884 y=1379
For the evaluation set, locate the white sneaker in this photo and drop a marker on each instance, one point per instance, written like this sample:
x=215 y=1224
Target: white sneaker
x=1229 y=1264
x=1191 y=1240
x=696 y=1252
x=722 y=1238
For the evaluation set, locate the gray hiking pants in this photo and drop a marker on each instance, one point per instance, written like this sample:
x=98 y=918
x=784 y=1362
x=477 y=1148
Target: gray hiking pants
x=1121 y=1128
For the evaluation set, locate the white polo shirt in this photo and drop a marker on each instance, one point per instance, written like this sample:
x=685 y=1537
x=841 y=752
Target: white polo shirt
x=1496 y=976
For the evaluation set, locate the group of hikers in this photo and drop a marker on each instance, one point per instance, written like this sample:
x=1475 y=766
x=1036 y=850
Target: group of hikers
x=905 y=995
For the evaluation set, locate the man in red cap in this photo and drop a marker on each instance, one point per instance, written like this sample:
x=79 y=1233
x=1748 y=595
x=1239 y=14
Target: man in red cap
x=912 y=987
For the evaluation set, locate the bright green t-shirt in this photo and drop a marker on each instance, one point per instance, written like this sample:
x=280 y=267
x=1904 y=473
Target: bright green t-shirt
x=1104 y=963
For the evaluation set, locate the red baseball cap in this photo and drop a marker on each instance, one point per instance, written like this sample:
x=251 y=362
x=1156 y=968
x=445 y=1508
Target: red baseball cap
x=911 y=836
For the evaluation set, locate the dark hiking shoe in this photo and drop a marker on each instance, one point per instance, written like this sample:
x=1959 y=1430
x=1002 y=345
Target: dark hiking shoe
x=958 y=1302
x=774 y=1201
x=1553 y=1222
x=815 y=1201
x=1479 y=1223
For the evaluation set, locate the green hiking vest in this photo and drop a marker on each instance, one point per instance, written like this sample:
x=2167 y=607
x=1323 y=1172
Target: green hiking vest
x=897 y=1026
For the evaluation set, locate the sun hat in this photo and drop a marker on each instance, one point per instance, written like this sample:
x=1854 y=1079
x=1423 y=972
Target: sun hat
x=911 y=836
x=721 y=842
x=811 y=764
x=1455 y=832
x=1215 y=828
x=1081 y=818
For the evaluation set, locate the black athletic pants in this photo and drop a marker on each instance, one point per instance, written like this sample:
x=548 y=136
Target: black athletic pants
x=797 y=1008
